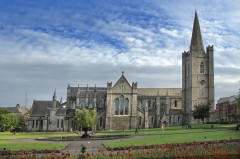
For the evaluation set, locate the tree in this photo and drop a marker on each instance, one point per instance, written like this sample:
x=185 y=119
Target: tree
x=85 y=119
x=238 y=102
x=8 y=122
x=201 y=111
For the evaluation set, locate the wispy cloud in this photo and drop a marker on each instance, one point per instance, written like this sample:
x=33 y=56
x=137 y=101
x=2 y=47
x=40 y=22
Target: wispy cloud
x=48 y=44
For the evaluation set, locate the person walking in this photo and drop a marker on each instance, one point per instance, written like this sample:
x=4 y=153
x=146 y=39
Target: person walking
x=136 y=131
x=162 y=127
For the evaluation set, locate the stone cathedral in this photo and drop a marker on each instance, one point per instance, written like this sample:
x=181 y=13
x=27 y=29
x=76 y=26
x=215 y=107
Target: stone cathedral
x=122 y=105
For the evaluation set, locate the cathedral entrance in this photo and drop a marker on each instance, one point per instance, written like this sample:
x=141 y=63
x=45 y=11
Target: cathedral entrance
x=165 y=123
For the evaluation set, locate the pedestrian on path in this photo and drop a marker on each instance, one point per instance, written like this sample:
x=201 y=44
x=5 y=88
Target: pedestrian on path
x=162 y=127
x=136 y=131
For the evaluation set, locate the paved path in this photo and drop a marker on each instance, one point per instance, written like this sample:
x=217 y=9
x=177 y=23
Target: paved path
x=92 y=145
x=74 y=147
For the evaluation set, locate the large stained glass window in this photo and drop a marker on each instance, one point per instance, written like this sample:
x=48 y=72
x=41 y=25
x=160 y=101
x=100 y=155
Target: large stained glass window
x=121 y=105
x=117 y=106
x=126 y=106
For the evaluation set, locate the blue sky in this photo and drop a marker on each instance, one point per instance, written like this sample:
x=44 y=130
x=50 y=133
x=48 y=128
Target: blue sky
x=47 y=44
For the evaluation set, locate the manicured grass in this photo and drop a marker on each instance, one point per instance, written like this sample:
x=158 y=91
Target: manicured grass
x=8 y=135
x=171 y=130
x=30 y=145
x=177 y=138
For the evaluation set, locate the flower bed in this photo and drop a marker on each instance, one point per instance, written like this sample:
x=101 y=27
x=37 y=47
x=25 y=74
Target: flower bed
x=224 y=149
x=172 y=145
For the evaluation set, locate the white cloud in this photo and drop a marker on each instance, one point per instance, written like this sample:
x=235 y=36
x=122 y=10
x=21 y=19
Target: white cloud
x=93 y=45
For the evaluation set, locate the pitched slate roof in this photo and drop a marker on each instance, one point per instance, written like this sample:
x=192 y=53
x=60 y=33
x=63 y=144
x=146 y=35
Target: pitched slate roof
x=40 y=108
x=16 y=109
x=10 y=109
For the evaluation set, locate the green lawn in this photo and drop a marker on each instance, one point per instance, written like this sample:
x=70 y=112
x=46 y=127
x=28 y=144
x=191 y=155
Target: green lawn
x=30 y=145
x=177 y=134
x=8 y=135
x=6 y=140
x=170 y=135
x=177 y=138
x=171 y=130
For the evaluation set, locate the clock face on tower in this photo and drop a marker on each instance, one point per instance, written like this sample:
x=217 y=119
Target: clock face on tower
x=202 y=82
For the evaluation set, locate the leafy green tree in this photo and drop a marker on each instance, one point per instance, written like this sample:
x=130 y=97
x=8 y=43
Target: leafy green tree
x=8 y=122
x=201 y=111
x=85 y=119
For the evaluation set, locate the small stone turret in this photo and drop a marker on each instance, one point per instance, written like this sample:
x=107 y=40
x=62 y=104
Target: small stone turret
x=78 y=97
x=68 y=96
x=95 y=97
x=87 y=96
x=146 y=116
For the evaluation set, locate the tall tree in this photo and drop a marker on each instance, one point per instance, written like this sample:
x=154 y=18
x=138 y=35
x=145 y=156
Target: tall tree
x=201 y=111
x=85 y=119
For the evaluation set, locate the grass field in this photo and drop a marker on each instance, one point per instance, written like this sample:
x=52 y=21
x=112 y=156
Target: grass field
x=30 y=145
x=6 y=140
x=176 y=138
x=171 y=130
x=8 y=135
x=177 y=134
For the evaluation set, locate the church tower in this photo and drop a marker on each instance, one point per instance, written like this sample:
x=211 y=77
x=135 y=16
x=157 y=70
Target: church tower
x=197 y=74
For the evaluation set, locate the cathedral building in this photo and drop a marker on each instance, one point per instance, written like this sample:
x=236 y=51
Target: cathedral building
x=125 y=106
x=122 y=105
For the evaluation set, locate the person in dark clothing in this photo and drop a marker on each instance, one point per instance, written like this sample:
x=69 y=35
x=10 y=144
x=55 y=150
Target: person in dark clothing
x=136 y=131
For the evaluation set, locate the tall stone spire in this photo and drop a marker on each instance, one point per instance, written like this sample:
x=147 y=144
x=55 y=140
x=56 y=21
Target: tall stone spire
x=54 y=95
x=54 y=103
x=196 y=42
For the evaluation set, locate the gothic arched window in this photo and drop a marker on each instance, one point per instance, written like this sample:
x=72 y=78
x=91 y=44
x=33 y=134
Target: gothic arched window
x=73 y=104
x=121 y=105
x=100 y=122
x=175 y=103
x=149 y=103
x=202 y=67
x=100 y=104
x=140 y=121
x=82 y=104
x=90 y=104
x=152 y=120
x=126 y=106
x=140 y=104
x=117 y=106
x=162 y=108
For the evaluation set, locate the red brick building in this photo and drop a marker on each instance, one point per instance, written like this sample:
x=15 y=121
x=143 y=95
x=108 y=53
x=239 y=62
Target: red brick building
x=225 y=108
